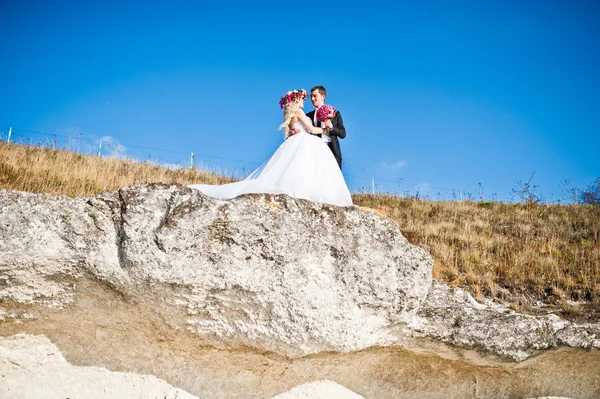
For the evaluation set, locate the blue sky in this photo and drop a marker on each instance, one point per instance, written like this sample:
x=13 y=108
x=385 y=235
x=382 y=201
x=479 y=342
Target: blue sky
x=437 y=96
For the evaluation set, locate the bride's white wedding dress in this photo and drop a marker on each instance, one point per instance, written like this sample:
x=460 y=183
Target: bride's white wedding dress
x=302 y=167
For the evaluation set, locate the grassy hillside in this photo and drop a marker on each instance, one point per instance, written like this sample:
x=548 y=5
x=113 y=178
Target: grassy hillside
x=43 y=170
x=522 y=253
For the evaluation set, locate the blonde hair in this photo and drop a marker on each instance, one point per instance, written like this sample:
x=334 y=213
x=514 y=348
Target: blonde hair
x=288 y=114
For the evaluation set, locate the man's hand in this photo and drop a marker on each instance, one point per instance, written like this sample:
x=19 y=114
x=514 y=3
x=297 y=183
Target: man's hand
x=294 y=131
x=328 y=123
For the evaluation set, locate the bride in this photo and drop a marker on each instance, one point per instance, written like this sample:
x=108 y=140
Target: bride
x=302 y=167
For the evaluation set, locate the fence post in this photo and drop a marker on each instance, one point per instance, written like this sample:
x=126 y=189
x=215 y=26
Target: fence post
x=372 y=185
x=9 y=133
x=192 y=161
x=100 y=148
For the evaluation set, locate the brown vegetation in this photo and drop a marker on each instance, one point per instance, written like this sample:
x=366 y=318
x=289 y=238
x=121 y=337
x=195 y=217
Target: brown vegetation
x=44 y=170
x=520 y=252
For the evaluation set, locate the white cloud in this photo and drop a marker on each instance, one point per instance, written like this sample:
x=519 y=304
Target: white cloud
x=394 y=165
x=112 y=147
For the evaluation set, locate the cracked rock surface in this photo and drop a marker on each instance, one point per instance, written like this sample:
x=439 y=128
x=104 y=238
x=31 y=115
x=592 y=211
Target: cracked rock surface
x=154 y=279
x=453 y=316
x=269 y=272
x=272 y=273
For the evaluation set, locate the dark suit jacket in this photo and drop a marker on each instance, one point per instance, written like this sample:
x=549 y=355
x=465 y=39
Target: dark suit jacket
x=338 y=131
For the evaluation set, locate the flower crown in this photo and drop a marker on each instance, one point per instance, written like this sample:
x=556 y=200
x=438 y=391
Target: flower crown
x=292 y=96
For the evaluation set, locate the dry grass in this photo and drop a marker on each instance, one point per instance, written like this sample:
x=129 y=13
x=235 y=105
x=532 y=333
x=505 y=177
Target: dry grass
x=43 y=170
x=549 y=253
x=545 y=252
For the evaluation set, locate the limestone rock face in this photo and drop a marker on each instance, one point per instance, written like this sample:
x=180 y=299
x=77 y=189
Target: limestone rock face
x=319 y=390
x=33 y=367
x=269 y=272
x=227 y=298
x=453 y=316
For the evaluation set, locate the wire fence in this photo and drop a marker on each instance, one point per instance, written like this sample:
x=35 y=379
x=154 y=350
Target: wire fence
x=108 y=146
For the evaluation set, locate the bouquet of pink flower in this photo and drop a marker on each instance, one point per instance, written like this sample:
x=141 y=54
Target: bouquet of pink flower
x=325 y=112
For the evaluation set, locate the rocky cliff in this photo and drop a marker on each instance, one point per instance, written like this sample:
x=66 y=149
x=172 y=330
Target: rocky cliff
x=167 y=268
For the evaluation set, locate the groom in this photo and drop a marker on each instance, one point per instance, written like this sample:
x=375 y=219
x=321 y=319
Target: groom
x=317 y=97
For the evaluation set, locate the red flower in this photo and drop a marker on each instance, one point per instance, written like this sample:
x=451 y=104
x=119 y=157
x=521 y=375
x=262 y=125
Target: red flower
x=292 y=96
x=325 y=112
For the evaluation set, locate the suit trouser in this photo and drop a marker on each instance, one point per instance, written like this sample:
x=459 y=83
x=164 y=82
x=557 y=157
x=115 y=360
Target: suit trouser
x=338 y=160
